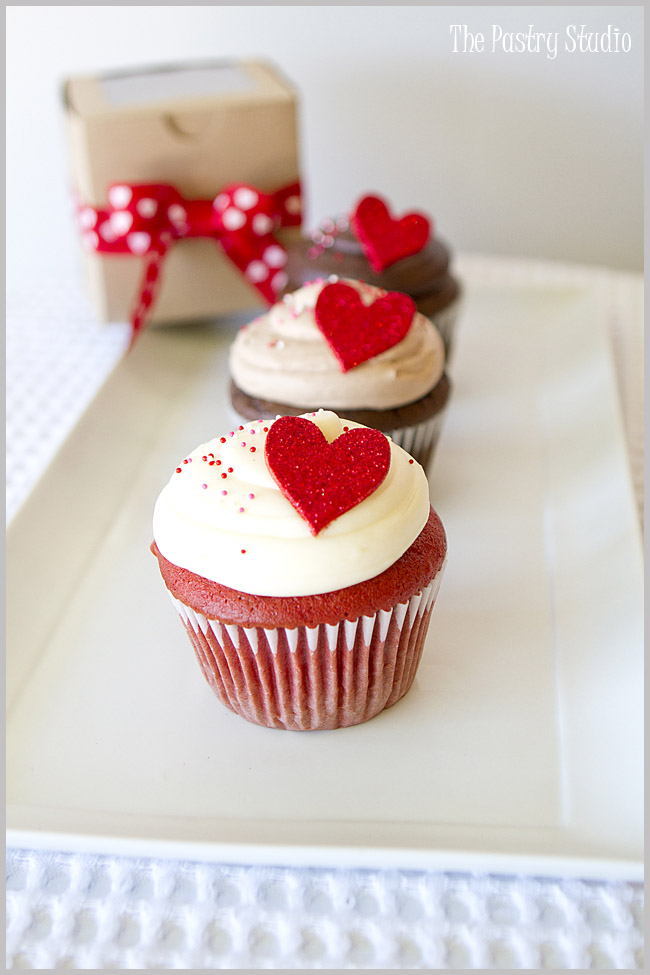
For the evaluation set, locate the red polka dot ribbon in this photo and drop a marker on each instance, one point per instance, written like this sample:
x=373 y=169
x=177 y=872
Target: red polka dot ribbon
x=146 y=218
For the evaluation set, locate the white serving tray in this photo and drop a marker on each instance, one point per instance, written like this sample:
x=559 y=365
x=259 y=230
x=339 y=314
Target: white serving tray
x=519 y=748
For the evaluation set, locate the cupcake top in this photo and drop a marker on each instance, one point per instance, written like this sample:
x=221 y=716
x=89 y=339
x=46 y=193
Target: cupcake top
x=317 y=505
x=401 y=253
x=298 y=354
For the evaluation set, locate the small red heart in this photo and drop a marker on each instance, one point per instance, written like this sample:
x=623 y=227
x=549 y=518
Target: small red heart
x=356 y=332
x=384 y=238
x=324 y=480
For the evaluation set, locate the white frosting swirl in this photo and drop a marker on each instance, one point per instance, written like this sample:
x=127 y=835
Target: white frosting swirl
x=283 y=356
x=240 y=530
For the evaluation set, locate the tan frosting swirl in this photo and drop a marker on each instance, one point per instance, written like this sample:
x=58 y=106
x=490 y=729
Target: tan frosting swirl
x=283 y=356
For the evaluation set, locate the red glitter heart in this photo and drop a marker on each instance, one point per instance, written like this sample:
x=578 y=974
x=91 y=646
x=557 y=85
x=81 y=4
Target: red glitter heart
x=357 y=332
x=386 y=239
x=324 y=480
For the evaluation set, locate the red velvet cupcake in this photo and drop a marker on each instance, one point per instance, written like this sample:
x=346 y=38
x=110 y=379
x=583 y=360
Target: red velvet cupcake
x=304 y=559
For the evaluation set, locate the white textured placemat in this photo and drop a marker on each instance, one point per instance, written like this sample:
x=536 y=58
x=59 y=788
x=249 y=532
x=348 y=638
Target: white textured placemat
x=86 y=912
x=80 y=911
x=57 y=358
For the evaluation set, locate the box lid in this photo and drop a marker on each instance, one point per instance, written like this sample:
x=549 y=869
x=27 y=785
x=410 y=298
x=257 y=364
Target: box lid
x=166 y=88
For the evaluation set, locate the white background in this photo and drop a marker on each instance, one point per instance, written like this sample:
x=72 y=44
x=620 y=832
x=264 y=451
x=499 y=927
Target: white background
x=510 y=153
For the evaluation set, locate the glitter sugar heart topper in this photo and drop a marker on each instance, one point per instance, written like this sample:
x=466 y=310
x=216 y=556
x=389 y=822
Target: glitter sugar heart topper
x=386 y=239
x=357 y=332
x=323 y=480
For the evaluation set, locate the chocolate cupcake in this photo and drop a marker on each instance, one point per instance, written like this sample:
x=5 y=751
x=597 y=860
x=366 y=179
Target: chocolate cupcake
x=350 y=347
x=396 y=254
x=304 y=559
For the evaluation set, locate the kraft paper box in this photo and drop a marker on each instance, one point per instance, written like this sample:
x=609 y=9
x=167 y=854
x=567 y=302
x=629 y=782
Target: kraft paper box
x=198 y=127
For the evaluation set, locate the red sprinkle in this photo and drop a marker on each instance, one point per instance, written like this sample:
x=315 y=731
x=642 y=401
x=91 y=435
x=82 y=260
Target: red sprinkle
x=411 y=460
x=252 y=449
x=243 y=551
x=224 y=474
x=178 y=470
x=230 y=470
x=222 y=439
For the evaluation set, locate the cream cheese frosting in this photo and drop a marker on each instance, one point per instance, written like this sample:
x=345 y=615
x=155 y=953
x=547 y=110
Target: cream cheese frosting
x=223 y=517
x=283 y=356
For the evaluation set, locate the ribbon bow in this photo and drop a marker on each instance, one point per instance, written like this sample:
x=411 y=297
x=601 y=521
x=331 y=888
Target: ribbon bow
x=146 y=218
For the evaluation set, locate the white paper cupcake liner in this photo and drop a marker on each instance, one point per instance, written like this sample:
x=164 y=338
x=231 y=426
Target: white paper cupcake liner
x=313 y=678
x=445 y=321
x=420 y=439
